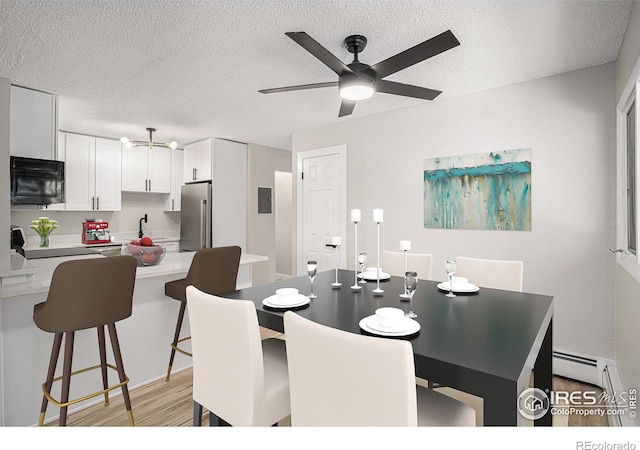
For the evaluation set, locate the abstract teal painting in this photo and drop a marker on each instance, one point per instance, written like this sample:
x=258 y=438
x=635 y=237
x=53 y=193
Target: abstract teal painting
x=487 y=191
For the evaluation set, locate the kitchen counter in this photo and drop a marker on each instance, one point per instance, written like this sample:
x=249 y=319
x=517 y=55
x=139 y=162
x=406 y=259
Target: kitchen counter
x=174 y=263
x=145 y=336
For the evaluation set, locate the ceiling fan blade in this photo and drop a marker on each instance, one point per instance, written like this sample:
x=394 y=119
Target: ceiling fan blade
x=301 y=87
x=346 y=107
x=432 y=47
x=317 y=50
x=408 y=90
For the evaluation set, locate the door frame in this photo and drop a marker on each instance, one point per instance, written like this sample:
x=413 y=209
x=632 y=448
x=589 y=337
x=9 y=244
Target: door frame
x=341 y=151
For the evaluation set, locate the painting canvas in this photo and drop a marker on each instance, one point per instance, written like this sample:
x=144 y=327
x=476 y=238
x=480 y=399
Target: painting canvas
x=487 y=191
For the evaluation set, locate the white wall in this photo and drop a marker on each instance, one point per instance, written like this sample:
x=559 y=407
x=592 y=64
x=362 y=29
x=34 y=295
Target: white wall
x=5 y=179
x=5 y=196
x=568 y=121
x=261 y=228
x=627 y=355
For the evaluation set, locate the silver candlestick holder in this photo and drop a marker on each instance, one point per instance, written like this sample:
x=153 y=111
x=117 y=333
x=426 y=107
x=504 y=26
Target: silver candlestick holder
x=355 y=217
x=377 y=218
x=335 y=244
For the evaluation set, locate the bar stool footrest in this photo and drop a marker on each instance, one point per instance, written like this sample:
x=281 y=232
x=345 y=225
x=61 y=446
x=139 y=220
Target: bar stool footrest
x=86 y=397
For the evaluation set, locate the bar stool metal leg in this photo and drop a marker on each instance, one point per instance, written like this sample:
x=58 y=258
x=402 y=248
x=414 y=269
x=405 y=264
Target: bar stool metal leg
x=66 y=376
x=120 y=366
x=53 y=362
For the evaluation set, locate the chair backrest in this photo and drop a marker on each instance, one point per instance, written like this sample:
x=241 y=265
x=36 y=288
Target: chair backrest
x=338 y=378
x=393 y=263
x=88 y=293
x=228 y=367
x=491 y=273
x=215 y=270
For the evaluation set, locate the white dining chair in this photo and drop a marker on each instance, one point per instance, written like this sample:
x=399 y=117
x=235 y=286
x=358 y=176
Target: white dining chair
x=238 y=377
x=491 y=273
x=339 y=378
x=393 y=263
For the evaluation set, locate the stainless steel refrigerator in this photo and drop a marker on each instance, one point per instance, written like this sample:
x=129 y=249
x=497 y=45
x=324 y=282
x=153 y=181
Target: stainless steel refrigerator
x=195 y=216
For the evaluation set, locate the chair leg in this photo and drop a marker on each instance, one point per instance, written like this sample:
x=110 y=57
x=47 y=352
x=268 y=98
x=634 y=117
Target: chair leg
x=176 y=337
x=197 y=414
x=120 y=366
x=103 y=363
x=66 y=376
x=53 y=362
x=215 y=421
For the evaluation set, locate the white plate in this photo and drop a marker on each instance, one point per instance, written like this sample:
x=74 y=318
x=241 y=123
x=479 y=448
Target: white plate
x=364 y=324
x=404 y=324
x=462 y=288
x=371 y=276
x=297 y=300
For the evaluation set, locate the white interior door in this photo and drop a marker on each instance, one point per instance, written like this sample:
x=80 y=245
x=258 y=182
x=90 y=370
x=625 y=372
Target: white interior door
x=321 y=207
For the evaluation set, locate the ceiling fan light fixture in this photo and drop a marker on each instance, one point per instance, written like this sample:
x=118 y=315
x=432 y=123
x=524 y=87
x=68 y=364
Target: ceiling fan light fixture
x=356 y=88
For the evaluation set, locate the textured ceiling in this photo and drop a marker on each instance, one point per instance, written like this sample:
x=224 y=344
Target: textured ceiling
x=192 y=69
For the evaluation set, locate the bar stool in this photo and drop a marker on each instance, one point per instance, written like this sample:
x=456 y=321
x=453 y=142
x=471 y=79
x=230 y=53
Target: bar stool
x=212 y=270
x=88 y=293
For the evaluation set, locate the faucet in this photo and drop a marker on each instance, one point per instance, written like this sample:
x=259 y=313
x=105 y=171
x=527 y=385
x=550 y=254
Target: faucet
x=140 y=228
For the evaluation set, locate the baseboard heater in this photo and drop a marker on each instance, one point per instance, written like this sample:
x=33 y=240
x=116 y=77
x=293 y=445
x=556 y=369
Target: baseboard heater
x=576 y=367
x=598 y=372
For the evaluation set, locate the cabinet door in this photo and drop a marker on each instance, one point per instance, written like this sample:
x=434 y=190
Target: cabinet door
x=172 y=202
x=108 y=175
x=79 y=172
x=159 y=170
x=197 y=161
x=33 y=125
x=134 y=169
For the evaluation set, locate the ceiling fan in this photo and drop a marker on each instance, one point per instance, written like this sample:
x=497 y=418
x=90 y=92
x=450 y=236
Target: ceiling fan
x=358 y=81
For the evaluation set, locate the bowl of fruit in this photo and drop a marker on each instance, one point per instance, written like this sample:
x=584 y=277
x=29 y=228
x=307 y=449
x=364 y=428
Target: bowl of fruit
x=144 y=251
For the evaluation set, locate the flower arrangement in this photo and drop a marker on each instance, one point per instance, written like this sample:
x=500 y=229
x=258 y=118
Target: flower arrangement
x=44 y=226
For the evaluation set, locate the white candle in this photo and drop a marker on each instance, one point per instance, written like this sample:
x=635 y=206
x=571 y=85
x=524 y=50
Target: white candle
x=355 y=215
x=377 y=215
x=336 y=240
x=405 y=245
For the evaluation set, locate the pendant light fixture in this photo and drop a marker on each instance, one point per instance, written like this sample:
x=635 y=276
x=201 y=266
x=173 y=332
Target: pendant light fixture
x=129 y=143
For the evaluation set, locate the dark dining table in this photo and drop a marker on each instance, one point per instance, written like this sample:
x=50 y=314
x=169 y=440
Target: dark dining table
x=487 y=343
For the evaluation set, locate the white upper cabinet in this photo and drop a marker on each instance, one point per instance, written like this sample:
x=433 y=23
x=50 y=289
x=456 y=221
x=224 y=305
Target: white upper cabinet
x=198 y=161
x=172 y=202
x=92 y=173
x=145 y=170
x=33 y=123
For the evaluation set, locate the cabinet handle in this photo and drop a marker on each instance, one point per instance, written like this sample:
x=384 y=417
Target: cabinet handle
x=173 y=205
x=93 y=203
x=193 y=172
x=98 y=203
x=149 y=185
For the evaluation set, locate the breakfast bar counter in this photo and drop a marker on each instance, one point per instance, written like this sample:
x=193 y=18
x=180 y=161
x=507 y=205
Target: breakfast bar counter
x=145 y=337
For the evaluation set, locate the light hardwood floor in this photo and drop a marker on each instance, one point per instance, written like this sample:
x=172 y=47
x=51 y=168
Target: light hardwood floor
x=169 y=404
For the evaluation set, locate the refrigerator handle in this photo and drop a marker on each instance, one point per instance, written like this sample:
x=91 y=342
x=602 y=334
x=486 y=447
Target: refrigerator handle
x=203 y=223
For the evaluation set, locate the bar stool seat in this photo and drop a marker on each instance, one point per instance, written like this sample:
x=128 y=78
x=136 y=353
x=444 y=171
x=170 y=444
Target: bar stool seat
x=88 y=293
x=212 y=270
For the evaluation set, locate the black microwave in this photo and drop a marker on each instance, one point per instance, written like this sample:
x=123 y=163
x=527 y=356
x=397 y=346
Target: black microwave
x=36 y=181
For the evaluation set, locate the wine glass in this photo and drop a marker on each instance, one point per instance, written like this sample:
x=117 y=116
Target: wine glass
x=450 y=267
x=312 y=267
x=362 y=260
x=410 y=283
